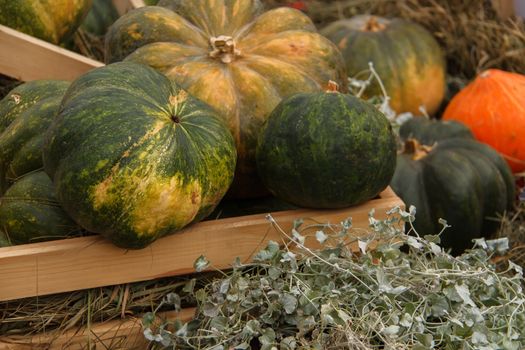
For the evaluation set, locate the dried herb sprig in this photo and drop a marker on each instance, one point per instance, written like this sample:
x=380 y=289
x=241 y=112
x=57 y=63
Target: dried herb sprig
x=398 y=291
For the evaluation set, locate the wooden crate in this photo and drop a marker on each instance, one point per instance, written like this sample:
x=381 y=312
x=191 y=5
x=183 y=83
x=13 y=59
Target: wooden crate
x=87 y=262
x=25 y=58
x=112 y=335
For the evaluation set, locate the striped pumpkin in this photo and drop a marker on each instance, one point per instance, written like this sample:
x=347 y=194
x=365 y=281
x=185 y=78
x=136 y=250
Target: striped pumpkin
x=50 y=20
x=134 y=157
x=406 y=56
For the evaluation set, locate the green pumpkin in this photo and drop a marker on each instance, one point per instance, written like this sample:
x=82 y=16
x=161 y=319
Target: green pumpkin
x=51 y=20
x=100 y=17
x=326 y=150
x=134 y=157
x=405 y=55
x=428 y=131
x=25 y=114
x=29 y=211
x=457 y=179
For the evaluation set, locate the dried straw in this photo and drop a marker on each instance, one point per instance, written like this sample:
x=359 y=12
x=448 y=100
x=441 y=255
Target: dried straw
x=73 y=310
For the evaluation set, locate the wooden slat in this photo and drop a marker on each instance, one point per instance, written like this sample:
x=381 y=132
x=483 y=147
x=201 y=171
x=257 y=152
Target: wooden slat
x=88 y=262
x=118 y=334
x=25 y=58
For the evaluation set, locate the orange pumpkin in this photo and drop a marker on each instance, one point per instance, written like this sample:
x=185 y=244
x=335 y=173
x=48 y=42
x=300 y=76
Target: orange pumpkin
x=493 y=107
x=234 y=56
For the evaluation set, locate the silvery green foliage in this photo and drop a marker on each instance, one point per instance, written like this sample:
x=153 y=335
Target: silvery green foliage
x=404 y=292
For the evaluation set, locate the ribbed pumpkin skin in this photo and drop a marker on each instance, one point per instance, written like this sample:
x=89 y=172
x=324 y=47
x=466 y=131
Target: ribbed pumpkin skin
x=25 y=113
x=460 y=180
x=493 y=107
x=100 y=17
x=406 y=56
x=50 y=20
x=430 y=131
x=29 y=211
x=277 y=53
x=134 y=157
x=326 y=150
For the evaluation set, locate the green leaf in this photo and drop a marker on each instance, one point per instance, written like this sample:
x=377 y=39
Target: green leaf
x=173 y=299
x=289 y=303
x=267 y=337
x=201 y=263
x=211 y=310
x=189 y=286
x=321 y=236
x=147 y=319
x=464 y=292
x=220 y=323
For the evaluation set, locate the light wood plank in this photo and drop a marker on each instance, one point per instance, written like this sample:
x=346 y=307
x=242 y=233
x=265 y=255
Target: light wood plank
x=117 y=334
x=26 y=58
x=88 y=262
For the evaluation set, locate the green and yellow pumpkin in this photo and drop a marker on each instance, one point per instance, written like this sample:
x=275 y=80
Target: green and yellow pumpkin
x=25 y=114
x=234 y=56
x=135 y=157
x=51 y=20
x=326 y=150
x=29 y=212
x=406 y=57
x=458 y=179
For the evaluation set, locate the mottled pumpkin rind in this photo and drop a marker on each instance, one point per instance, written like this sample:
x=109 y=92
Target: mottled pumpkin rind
x=134 y=157
x=29 y=211
x=25 y=113
x=52 y=20
x=407 y=58
x=279 y=54
x=326 y=150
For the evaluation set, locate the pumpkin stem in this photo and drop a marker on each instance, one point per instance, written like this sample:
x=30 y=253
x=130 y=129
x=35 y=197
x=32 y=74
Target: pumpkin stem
x=373 y=25
x=332 y=86
x=416 y=149
x=223 y=47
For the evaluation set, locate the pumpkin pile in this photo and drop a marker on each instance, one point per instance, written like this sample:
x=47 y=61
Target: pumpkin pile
x=234 y=56
x=201 y=101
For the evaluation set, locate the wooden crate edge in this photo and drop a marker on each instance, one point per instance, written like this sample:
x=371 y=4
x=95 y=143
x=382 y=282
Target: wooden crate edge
x=89 y=262
x=26 y=58
x=103 y=335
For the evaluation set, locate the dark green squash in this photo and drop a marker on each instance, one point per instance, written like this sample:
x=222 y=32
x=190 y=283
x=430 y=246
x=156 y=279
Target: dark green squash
x=457 y=179
x=405 y=55
x=326 y=150
x=428 y=131
x=29 y=212
x=100 y=17
x=134 y=157
x=25 y=114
